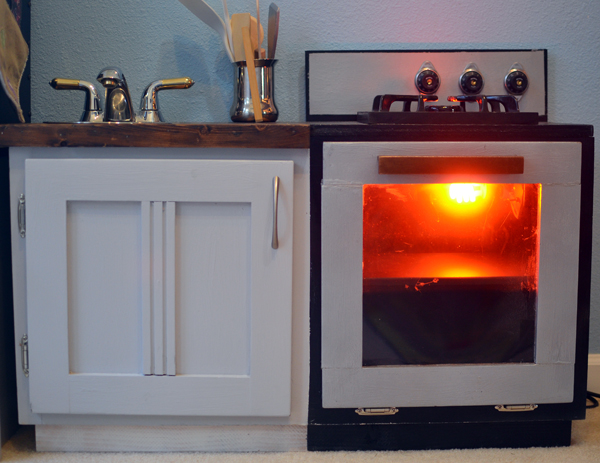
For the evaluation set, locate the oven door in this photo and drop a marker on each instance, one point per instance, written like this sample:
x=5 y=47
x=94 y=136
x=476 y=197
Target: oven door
x=449 y=273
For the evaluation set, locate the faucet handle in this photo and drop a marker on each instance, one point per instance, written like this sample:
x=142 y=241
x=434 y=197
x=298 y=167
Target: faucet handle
x=92 y=111
x=149 y=111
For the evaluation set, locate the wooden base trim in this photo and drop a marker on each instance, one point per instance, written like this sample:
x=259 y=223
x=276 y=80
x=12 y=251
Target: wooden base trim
x=170 y=438
x=439 y=436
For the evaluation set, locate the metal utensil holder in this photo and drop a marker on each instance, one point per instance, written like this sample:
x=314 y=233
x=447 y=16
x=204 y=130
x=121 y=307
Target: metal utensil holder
x=241 y=109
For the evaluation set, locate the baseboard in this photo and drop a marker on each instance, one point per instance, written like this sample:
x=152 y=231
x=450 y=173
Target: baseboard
x=593 y=383
x=50 y=438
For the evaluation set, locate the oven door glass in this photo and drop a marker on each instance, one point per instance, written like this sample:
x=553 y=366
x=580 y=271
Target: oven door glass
x=426 y=301
x=449 y=273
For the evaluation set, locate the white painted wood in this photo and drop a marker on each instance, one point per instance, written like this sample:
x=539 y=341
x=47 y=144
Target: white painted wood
x=356 y=162
x=18 y=245
x=367 y=74
x=341 y=291
x=347 y=166
x=558 y=274
x=157 y=289
x=207 y=345
x=170 y=439
x=170 y=299
x=103 y=265
x=300 y=282
x=593 y=383
x=146 y=283
x=265 y=390
x=437 y=386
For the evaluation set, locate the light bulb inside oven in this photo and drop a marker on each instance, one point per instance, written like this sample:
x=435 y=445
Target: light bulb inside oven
x=466 y=192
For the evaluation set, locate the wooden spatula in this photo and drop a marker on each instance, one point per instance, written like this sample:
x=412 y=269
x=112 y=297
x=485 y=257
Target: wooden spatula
x=238 y=21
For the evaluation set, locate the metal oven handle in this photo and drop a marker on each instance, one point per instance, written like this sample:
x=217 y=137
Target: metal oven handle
x=396 y=165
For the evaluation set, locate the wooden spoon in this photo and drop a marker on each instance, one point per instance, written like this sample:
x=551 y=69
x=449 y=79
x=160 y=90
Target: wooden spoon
x=238 y=21
x=254 y=93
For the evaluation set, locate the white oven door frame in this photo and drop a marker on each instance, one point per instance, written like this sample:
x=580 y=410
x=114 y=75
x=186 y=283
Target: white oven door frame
x=347 y=166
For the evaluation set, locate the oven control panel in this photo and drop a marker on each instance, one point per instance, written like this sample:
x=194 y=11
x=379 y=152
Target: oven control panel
x=339 y=84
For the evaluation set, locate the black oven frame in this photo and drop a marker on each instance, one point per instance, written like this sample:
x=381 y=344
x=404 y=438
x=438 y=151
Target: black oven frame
x=447 y=427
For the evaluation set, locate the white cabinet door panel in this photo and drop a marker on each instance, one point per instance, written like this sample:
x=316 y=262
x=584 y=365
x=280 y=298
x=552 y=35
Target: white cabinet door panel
x=223 y=335
x=153 y=288
x=103 y=286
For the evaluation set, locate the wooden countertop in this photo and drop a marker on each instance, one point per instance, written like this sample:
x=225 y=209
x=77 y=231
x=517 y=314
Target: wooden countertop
x=111 y=134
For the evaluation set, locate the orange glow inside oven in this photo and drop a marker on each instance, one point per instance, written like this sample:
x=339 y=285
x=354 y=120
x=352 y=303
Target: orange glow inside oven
x=450 y=273
x=462 y=230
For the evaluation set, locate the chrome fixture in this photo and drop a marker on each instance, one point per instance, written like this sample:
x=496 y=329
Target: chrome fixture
x=516 y=81
x=149 y=111
x=471 y=81
x=117 y=99
x=92 y=111
x=427 y=79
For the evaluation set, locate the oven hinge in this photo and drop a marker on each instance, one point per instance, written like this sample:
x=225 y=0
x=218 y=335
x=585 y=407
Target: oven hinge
x=21 y=215
x=516 y=408
x=376 y=411
x=25 y=355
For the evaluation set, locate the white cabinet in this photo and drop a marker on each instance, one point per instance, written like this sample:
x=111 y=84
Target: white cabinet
x=153 y=286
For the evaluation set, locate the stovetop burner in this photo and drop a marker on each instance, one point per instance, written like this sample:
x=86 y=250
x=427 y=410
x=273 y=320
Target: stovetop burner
x=492 y=109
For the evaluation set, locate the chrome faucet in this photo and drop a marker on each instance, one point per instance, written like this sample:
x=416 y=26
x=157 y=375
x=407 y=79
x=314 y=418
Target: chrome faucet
x=117 y=99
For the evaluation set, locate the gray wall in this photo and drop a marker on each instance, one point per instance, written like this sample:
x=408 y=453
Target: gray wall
x=153 y=39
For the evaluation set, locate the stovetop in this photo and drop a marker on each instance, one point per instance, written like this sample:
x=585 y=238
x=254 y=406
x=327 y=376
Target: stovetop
x=491 y=109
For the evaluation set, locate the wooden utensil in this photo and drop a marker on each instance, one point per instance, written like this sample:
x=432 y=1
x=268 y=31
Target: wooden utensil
x=273 y=31
x=254 y=93
x=239 y=21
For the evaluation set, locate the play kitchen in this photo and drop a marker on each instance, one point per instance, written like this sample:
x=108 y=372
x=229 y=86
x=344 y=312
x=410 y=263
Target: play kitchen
x=451 y=247
x=409 y=270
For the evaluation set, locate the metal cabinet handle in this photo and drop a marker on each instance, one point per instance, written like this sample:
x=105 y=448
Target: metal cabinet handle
x=274 y=239
x=21 y=216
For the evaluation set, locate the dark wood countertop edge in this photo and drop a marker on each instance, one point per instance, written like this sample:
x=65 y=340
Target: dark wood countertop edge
x=274 y=135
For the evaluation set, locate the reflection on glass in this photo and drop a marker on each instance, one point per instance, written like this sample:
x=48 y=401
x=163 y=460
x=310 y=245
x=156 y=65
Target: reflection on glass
x=450 y=273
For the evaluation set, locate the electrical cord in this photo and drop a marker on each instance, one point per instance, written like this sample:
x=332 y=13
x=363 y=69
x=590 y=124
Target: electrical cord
x=592 y=398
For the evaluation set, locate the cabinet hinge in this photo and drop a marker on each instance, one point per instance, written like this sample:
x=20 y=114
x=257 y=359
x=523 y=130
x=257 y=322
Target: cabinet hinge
x=25 y=355
x=376 y=411
x=21 y=216
x=516 y=408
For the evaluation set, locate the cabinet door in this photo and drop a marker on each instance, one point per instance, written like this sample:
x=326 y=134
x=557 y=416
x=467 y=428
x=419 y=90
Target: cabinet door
x=153 y=287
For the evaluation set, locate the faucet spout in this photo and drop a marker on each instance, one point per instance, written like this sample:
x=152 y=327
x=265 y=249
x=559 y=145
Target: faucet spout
x=117 y=98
